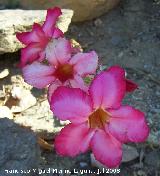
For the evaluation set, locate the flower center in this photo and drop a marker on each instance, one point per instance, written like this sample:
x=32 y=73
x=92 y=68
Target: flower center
x=64 y=72
x=98 y=118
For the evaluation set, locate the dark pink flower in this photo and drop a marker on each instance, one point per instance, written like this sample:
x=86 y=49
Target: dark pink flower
x=63 y=69
x=98 y=120
x=40 y=36
x=130 y=86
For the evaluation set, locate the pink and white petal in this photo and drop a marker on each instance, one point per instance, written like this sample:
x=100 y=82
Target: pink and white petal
x=58 y=51
x=130 y=86
x=106 y=149
x=30 y=54
x=57 y=33
x=42 y=39
x=85 y=63
x=38 y=75
x=71 y=104
x=108 y=88
x=52 y=88
x=78 y=82
x=51 y=19
x=73 y=140
x=39 y=34
x=42 y=56
x=128 y=124
x=76 y=50
x=25 y=37
x=36 y=35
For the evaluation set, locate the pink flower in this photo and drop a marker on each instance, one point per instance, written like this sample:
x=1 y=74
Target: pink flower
x=130 y=86
x=98 y=120
x=40 y=36
x=63 y=69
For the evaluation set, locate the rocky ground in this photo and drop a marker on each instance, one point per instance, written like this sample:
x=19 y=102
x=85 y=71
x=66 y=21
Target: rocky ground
x=129 y=36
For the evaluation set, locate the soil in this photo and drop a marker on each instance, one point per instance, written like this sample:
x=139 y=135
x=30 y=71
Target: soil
x=129 y=36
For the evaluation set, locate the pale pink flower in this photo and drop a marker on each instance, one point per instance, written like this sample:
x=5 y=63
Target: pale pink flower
x=98 y=120
x=63 y=68
x=40 y=36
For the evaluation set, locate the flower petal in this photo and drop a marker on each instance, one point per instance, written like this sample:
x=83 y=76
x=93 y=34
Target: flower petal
x=58 y=51
x=42 y=56
x=38 y=75
x=128 y=124
x=36 y=35
x=30 y=54
x=57 y=33
x=51 y=19
x=71 y=104
x=76 y=49
x=85 y=63
x=52 y=88
x=130 y=85
x=108 y=88
x=78 y=82
x=73 y=140
x=106 y=149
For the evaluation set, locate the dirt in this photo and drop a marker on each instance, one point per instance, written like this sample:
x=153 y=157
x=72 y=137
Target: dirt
x=129 y=36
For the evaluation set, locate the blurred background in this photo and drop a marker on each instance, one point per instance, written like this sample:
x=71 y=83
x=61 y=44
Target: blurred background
x=124 y=32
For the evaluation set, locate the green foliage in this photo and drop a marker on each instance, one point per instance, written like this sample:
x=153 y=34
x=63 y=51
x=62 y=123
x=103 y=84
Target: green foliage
x=88 y=80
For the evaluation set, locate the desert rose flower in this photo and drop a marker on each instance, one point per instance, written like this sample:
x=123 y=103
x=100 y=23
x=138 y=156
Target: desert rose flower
x=40 y=36
x=63 y=68
x=98 y=120
x=130 y=86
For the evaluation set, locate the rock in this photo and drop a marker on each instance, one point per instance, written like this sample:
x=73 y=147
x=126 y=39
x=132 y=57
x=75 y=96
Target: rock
x=116 y=40
x=2 y=97
x=56 y=165
x=18 y=149
x=41 y=120
x=20 y=100
x=2 y=93
x=18 y=80
x=4 y=73
x=141 y=173
x=84 y=10
x=154 y=139
x=153 y=159
x=13 y=21
x=83 y=164
x=98 y=22
x=95 y=163
x=26 y=99
x=129 y=153
x=5 y=112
